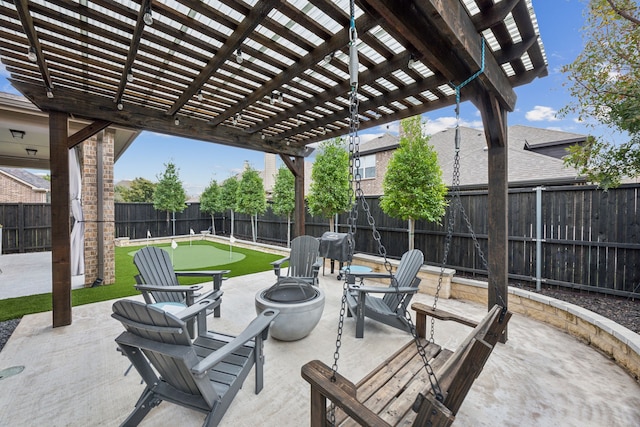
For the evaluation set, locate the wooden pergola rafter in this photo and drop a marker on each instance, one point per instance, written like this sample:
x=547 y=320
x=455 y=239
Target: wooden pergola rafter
x=291 y=88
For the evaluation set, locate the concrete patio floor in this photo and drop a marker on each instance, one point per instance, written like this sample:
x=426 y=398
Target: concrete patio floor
x=73 y=375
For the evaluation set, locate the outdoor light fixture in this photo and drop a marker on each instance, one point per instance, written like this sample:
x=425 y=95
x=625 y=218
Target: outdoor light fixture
x=412 y=63
x=280 y=97
x=148 y=17
x=120 y=106
x=31 y=54
x=31 y=151
x=236 y=118
x=328 y=58
x=177 y=121
x=200 y=95
x=272 y=100
x=262 y=135
x=239 y=56
x=49 y=93
x=130 y=76
x=18 y=134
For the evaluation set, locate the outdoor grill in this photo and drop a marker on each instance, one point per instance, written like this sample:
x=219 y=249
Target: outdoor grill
x=335 y=246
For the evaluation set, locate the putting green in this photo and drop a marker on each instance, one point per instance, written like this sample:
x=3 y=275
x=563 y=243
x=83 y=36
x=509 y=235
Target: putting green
x=185 y=257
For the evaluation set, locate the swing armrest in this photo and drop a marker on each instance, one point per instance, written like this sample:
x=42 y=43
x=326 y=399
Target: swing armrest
x=342 y=392
x=423 y=310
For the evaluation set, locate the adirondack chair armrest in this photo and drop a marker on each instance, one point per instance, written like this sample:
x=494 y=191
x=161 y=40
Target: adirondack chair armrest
x=204 y=304
x=255 y=328
x=202 y=273
x=184 y=289
x=381 y=290
x=277 y=265
x=370 y=275
x=216 y=275
x=340 y=391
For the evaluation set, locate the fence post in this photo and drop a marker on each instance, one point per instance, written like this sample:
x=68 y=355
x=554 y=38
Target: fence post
x=539 y=238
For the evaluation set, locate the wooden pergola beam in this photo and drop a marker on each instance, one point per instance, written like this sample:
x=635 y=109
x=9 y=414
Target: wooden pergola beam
x=87 y=132
x=138 y=117
x=26 y=20
x=296 y=166
x=133 y=50
x=448 y=42
x=336 y=43
x=251 y=21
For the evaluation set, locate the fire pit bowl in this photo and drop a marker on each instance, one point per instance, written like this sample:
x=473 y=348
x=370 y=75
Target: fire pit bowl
x=300 y=304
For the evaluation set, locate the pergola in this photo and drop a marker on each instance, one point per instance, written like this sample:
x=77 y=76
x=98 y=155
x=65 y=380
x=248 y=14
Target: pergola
x=269 y=75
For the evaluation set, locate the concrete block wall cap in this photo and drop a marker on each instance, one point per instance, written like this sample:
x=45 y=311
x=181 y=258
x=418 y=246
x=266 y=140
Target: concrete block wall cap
x=432 y=269
x=470 y=282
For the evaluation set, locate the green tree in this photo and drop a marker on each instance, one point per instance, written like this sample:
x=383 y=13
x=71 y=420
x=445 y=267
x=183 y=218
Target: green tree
x=284 y=196
x=140 y=191
x=119 y=191
x=229 y=196
x=329 y=190
x=413 y=185
x=210 y=202
x=251 y=199
x=169 y=195
x=605 y=83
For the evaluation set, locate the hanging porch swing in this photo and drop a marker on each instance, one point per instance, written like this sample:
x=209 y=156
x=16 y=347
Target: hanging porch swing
x=396 y=393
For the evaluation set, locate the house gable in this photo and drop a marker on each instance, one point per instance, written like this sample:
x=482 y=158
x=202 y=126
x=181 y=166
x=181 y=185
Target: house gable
x=21 y=186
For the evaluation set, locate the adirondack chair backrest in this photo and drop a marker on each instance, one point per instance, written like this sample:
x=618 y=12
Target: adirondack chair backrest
x=159 y=331
x=154 y=265
x=305 y=251
x=408 y=269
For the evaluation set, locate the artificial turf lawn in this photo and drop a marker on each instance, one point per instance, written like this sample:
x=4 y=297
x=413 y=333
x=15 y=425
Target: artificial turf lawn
x=191 y=256
x=253 y=262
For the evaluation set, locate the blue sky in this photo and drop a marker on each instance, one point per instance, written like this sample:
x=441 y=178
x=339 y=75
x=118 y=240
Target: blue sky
x=199 y=162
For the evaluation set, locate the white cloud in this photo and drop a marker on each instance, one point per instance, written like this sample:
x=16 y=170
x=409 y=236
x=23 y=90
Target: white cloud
x=541 y=113
x=438 y=125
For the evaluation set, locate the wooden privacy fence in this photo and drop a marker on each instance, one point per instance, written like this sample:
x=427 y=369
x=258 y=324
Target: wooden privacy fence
x=589 y=239
x=26 y=227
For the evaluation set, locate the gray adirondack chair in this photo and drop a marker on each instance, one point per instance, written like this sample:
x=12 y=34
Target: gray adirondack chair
x=304 y=260
x=158 y=281
x=390 y=309
x=203 y=375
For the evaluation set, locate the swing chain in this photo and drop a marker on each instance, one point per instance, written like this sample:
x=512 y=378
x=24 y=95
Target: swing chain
x=354 y=176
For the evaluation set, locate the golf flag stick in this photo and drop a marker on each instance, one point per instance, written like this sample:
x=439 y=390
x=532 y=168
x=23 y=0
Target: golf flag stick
x=232 y=240
x=148 y=237
x=191 y=233
x=174 y=245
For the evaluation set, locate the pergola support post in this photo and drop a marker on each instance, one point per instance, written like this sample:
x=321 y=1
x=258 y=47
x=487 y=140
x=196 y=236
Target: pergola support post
x=60 y=214
x=296 y=166
x=494 y=117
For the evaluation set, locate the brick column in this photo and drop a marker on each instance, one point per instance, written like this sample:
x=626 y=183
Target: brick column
x=99 y=225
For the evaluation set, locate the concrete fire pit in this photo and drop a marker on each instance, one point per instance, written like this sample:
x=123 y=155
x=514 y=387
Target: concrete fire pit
x=300 y=304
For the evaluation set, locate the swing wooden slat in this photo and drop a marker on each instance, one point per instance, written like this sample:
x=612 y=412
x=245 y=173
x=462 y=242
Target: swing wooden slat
x=387 y=394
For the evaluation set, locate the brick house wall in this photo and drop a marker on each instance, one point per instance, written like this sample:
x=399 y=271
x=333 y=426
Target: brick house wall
x=373 y=186
x=90 y=194
x=13 y=190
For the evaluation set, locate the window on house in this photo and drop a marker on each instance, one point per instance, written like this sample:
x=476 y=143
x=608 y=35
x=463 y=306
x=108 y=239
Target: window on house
x=367 y=166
